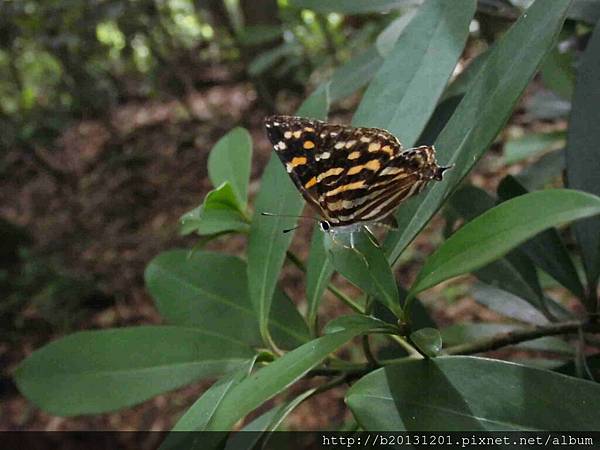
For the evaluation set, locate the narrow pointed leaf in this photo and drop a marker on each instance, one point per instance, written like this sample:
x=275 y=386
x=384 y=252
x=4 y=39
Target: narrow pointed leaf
x=502 y=228
x=403 y=95
x=318 y=273
x=514 y=272
x=547 y=249
x=277 y=376
x=483 y=112
x=387 y=38
x=267 y=243
x=471 y=394
x=507 y=304
x=352 y=6
x=354 y=74
x=92 y=372
x=198 y=416
x=583 y=164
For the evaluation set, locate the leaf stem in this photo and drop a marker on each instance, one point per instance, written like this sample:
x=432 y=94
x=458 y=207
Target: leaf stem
x=412 y=351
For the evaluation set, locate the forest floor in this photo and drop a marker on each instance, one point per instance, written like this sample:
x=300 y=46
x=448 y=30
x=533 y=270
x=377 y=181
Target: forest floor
x=106 y=198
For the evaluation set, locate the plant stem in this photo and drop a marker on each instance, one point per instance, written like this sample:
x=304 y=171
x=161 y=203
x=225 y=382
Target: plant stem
x=330 y=287
x=517 y=336
x=365 y=338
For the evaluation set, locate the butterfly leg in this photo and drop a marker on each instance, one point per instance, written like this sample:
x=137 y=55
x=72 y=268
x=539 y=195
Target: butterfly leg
x=352 y=246
x=371 y=236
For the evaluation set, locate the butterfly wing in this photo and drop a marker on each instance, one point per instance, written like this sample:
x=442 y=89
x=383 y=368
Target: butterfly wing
x=349 y=174
x=294 y=140
x=373 y=198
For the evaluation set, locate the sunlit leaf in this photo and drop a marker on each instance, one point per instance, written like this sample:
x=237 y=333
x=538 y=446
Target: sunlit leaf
x=502 y=228
x=500 y=81
x=229 y=161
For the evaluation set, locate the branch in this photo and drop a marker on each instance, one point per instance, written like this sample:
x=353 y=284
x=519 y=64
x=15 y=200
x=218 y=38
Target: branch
x=517 y=336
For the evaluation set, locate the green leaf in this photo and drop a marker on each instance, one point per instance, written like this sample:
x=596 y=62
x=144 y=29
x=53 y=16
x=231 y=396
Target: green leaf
x=558 y=74
x=513 y=273
x=507 y=304
x=210 y=291
x=269 y=58
x=532 y=144
x=470 y=201
x=516 y=274
x=546 y=105
x=462 y=333
x=318 y=273
x=92 y=372
x=419 y=317
x=354 y=74
x=499 y=229
x=542 y=172
x=267 y=244
x=265 y=423
x=387 y=39
x=585 y=10
x=428 y=340
x=198 y=416
x=461 y=84
x=351 y=6
x=277 y=376
x=200 y=413
x=255 y=35
x=221 y=211
x=364 y=266
x=471 y=394
x=402 y=96
x=317 y=104
x=359 y=320
x=500 y=81
x=547 y=249
x=583 y=164
x=229 y=161
x=212 y=222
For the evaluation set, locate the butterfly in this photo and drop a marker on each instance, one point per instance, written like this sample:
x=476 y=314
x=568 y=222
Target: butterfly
x=353 y=177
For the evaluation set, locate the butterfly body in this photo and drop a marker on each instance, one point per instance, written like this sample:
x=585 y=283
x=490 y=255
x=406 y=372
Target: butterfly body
x=352 y=176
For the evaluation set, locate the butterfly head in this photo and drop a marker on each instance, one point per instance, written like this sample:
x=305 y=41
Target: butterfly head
x=439 y=173
x=423 y=158
x=324 y=225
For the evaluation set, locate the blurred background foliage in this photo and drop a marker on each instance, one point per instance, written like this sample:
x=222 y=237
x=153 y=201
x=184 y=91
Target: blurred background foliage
x=70 y=69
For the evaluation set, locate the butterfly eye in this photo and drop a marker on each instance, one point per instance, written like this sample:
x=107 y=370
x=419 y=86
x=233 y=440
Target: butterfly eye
x=325 y=226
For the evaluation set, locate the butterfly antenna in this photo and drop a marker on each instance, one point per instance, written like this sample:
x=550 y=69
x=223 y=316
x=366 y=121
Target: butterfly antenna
x=288 y=215
x=268 y=214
